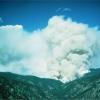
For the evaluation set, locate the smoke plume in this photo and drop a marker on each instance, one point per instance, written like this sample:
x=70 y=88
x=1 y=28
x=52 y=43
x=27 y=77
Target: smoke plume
x=63 y=50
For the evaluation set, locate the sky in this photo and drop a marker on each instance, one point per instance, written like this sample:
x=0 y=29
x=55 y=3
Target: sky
x=34 y=14
x=56 y=39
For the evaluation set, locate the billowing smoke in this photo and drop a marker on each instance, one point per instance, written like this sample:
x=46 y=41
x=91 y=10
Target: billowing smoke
x=63 y=50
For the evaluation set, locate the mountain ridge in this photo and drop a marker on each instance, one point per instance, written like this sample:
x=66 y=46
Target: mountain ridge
x=19 y=87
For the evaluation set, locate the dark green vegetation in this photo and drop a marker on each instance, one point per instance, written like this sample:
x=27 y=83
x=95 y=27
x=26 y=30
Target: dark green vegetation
x=17 y=87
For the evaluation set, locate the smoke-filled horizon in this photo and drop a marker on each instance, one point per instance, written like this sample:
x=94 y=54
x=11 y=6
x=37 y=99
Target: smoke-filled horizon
x=64 y=49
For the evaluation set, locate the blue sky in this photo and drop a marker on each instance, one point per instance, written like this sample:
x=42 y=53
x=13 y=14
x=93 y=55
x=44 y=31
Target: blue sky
x=62 y=45
x=34 y=14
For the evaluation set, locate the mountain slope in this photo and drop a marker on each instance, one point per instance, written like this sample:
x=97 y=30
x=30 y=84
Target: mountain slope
x=18 y=87
x=87 y=87
x=15 y=87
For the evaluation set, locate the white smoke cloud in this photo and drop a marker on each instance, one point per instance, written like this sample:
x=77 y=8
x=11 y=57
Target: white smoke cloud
x=64 y=49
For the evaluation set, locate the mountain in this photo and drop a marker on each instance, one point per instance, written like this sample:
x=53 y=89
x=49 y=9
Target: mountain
x=84 y=88
x=18 y=87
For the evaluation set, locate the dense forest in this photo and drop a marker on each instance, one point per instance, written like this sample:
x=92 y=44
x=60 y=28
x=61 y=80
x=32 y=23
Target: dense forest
x=18 y=87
